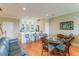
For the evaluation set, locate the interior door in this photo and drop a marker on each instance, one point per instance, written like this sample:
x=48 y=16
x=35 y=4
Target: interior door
x=9 y=28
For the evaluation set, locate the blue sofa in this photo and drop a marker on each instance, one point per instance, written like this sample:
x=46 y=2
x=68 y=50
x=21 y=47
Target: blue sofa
x=10 y=48
x=4 y=47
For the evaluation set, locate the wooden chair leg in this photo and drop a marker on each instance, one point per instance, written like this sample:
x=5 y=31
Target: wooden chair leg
x=65 y=54
x=47 y=53
x=68 y=52
x=42 y=52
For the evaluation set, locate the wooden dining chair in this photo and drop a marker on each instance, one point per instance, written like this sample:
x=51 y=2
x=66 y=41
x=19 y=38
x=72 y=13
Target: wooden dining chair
x=47 y=47
x=68 y=44
x=64 y=48
x=44 y=46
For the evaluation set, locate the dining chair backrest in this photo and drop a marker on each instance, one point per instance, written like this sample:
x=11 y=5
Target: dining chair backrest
x=68 y=44
x=44 y=45
x=60 y=36
x=68 y=40
x=44 y=41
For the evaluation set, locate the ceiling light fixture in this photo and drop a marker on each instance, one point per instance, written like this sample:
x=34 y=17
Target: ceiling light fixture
x=23 y=9
x=47 y=15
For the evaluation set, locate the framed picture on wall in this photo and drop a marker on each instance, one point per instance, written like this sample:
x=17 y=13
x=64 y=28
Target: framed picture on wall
x=37 y=28
x=27 y=27
x=32 y=28
x=69 y=25
x=22 y=29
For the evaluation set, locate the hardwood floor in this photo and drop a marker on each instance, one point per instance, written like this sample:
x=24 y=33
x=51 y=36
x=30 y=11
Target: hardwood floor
x=35 y=49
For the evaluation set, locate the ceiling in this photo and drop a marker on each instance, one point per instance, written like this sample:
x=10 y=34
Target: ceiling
x=37 y=10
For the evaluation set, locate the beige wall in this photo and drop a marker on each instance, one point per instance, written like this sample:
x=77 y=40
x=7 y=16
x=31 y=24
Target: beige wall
x=14 y=21
x=42 y=24
x=55 y=24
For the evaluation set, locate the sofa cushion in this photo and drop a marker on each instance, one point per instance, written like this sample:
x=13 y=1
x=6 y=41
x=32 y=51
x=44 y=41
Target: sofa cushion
x=4 y=46
x=15 y=49
x=3 y=50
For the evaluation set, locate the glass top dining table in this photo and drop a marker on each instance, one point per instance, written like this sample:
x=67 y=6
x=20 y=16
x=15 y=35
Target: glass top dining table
x=52 y=44
x=57 y=44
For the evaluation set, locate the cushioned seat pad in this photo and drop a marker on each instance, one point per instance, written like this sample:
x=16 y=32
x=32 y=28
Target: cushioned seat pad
x=60 y=47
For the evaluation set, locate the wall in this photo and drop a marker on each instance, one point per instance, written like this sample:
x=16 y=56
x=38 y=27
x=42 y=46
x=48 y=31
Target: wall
x=42 y=24
x=33 y=21
x=55 y=24
x=15 y=23
x=47 y=26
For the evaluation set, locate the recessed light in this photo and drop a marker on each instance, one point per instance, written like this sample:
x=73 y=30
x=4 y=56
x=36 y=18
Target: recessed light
x=32 y=17
x=47 y=15
x=24 y=9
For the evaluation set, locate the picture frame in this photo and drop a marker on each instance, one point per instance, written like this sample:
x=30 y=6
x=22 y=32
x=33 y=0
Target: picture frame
x=68 y=25
x=37 y=28
x=22 y=29
x=32 y=28
x=27 y=27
